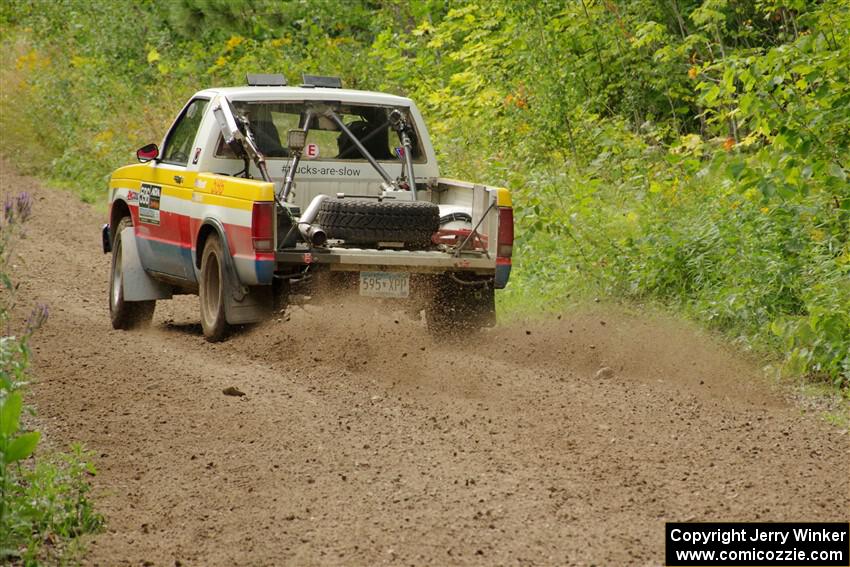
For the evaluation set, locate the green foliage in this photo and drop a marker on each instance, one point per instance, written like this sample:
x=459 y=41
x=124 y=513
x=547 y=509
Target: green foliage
x=44 y=505
x=693 y=154
x=47 y=507
x=14 y=446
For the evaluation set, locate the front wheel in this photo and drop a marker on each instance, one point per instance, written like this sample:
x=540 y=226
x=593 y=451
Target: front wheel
x=211 y=291
x=125 y=314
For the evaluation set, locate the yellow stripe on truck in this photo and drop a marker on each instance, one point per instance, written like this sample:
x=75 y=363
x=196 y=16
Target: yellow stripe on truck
x=232 y=192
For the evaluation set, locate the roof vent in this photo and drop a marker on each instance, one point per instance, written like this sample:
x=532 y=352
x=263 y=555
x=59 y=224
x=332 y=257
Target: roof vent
x=266 y=80
x=320 y=81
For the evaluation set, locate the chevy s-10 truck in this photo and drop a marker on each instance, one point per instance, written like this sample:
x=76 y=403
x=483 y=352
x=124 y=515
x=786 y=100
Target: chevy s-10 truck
x=262 y=190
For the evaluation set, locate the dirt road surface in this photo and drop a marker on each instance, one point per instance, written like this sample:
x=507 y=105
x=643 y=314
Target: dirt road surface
x=360 y=441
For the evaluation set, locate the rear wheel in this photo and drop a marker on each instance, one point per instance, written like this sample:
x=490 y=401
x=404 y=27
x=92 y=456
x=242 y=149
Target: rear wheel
x=211 y=291
x=125 y=314
x=459 y=305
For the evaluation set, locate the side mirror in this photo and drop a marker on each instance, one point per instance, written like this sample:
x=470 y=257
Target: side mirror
x=296 y=140
x=147 y=153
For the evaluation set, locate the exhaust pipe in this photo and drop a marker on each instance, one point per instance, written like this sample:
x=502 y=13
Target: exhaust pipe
x=312 y=233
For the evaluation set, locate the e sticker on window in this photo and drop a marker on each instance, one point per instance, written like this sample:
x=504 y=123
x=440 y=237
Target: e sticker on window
x=149 y=203
x=311 y=151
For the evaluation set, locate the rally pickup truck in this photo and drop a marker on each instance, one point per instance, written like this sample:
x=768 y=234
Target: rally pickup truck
x=267 y=190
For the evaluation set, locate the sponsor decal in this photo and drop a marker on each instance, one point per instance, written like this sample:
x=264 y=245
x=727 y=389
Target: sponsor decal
x=149 y=196
x=132 y=196
x=197 y=155
x=200 y=184
x=218 y=187
x=311 y=151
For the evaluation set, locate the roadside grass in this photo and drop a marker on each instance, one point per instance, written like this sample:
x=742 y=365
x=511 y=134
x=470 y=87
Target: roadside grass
x=821 y=399
x=44 y=495
x=47 y=508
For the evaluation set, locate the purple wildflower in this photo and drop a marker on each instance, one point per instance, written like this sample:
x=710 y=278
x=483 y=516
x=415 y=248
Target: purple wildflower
x=17 y=209
x=37 y=318
x=23 y=206
x=8 y=209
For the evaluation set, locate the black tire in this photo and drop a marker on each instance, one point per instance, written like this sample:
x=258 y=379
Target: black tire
x=457 y=308
x=211 y=290
x=367 y=221
x=125 y=315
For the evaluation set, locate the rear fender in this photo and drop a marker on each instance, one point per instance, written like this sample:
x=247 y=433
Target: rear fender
x=243 y=304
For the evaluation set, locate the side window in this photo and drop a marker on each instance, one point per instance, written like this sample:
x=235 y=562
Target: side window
x=178 y=146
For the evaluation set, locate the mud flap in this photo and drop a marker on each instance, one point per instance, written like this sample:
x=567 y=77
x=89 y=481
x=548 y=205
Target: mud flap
x=138 y=285
x=254 y=306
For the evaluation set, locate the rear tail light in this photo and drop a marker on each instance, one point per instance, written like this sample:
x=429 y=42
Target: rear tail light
x=505 y=242
x=262 y=227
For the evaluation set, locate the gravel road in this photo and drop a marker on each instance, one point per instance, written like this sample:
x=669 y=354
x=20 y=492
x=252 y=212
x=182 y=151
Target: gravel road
x=359 y=441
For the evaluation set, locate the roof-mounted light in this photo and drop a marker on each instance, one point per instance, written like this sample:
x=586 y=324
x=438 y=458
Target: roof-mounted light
x=266 y=80
x=320 y=81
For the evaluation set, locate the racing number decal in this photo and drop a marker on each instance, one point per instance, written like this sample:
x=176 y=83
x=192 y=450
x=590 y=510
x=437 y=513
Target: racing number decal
x=149 y=203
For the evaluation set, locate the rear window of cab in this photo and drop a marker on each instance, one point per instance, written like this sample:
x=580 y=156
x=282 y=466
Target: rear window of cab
x=271 y=121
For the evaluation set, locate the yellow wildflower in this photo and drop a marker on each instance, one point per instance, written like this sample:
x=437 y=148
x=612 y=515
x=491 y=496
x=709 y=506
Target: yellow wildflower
x=234 y=42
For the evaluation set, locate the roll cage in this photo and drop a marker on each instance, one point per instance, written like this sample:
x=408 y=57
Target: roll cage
x=238 y=133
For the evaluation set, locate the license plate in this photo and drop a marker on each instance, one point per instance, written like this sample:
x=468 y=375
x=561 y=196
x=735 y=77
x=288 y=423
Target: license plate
x=385 y=284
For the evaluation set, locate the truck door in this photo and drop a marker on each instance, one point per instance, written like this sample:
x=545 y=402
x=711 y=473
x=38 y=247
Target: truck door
x=165 y=199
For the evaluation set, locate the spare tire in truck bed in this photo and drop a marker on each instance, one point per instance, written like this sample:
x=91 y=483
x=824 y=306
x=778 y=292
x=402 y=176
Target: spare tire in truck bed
x=368 y=221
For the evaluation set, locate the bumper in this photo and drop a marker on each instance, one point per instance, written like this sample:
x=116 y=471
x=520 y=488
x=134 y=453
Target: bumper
x=360 y=259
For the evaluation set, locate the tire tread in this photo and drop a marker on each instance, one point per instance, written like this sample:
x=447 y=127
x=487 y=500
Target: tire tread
x=366 y=221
